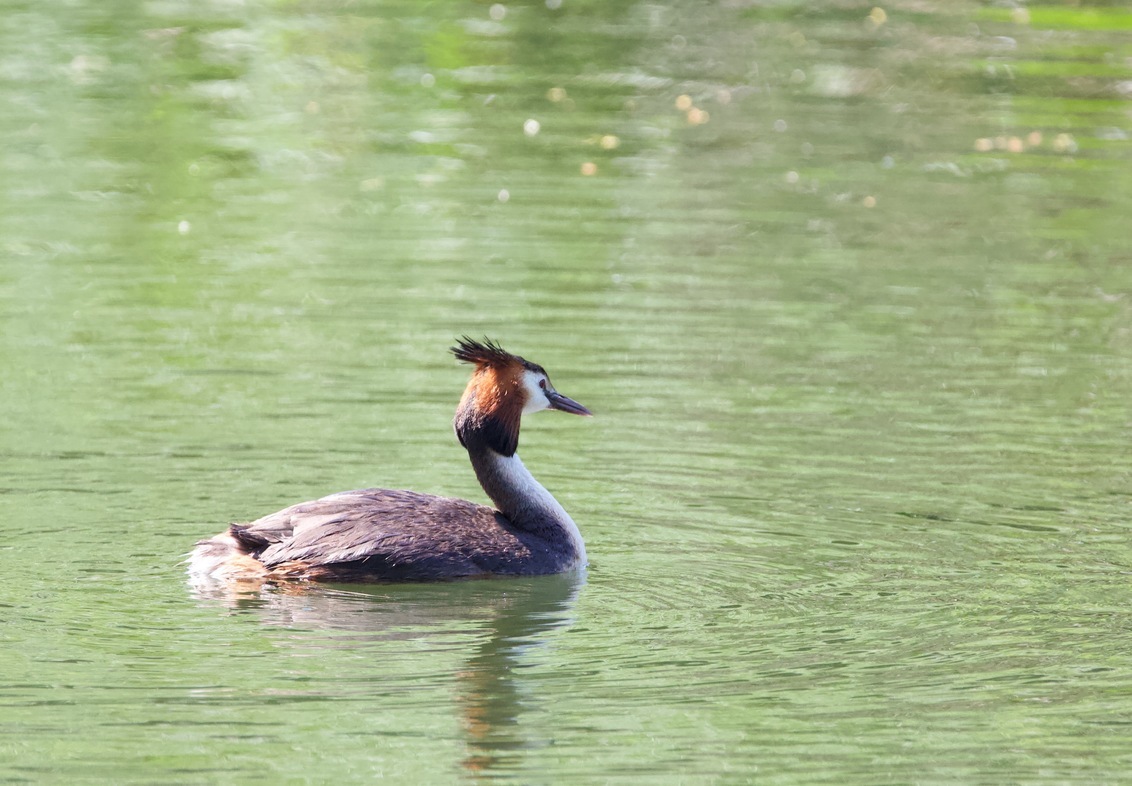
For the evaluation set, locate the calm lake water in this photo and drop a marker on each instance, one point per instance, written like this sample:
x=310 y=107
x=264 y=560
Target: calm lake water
x=849 y=289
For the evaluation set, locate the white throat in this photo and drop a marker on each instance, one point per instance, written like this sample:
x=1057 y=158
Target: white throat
x=519 y=478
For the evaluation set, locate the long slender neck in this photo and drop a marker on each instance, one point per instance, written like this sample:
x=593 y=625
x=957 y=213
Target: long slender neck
x=523 y=500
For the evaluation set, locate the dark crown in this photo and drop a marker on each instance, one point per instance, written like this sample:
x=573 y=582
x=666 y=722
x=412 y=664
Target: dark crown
x=488 y=353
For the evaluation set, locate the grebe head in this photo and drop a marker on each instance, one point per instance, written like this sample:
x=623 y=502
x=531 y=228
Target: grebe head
x=503 y=387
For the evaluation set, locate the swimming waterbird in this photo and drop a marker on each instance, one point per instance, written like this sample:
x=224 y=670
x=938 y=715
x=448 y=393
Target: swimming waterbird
x=389 y=535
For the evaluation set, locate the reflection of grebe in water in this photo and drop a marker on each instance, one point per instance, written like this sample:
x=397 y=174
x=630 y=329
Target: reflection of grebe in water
x=386 y=535
x=487 y=635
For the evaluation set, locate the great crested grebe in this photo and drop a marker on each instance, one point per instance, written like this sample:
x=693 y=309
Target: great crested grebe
x=387 y=535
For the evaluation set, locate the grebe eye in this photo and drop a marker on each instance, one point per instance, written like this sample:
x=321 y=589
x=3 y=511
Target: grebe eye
x=542 y=383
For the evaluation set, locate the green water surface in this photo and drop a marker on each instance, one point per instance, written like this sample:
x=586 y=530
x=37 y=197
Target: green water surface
x=849 y=289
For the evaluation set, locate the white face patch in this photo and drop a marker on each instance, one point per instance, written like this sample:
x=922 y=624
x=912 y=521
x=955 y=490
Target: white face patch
x=536 y=395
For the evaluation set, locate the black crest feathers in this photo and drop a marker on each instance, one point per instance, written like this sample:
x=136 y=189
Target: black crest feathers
x=483 y=353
